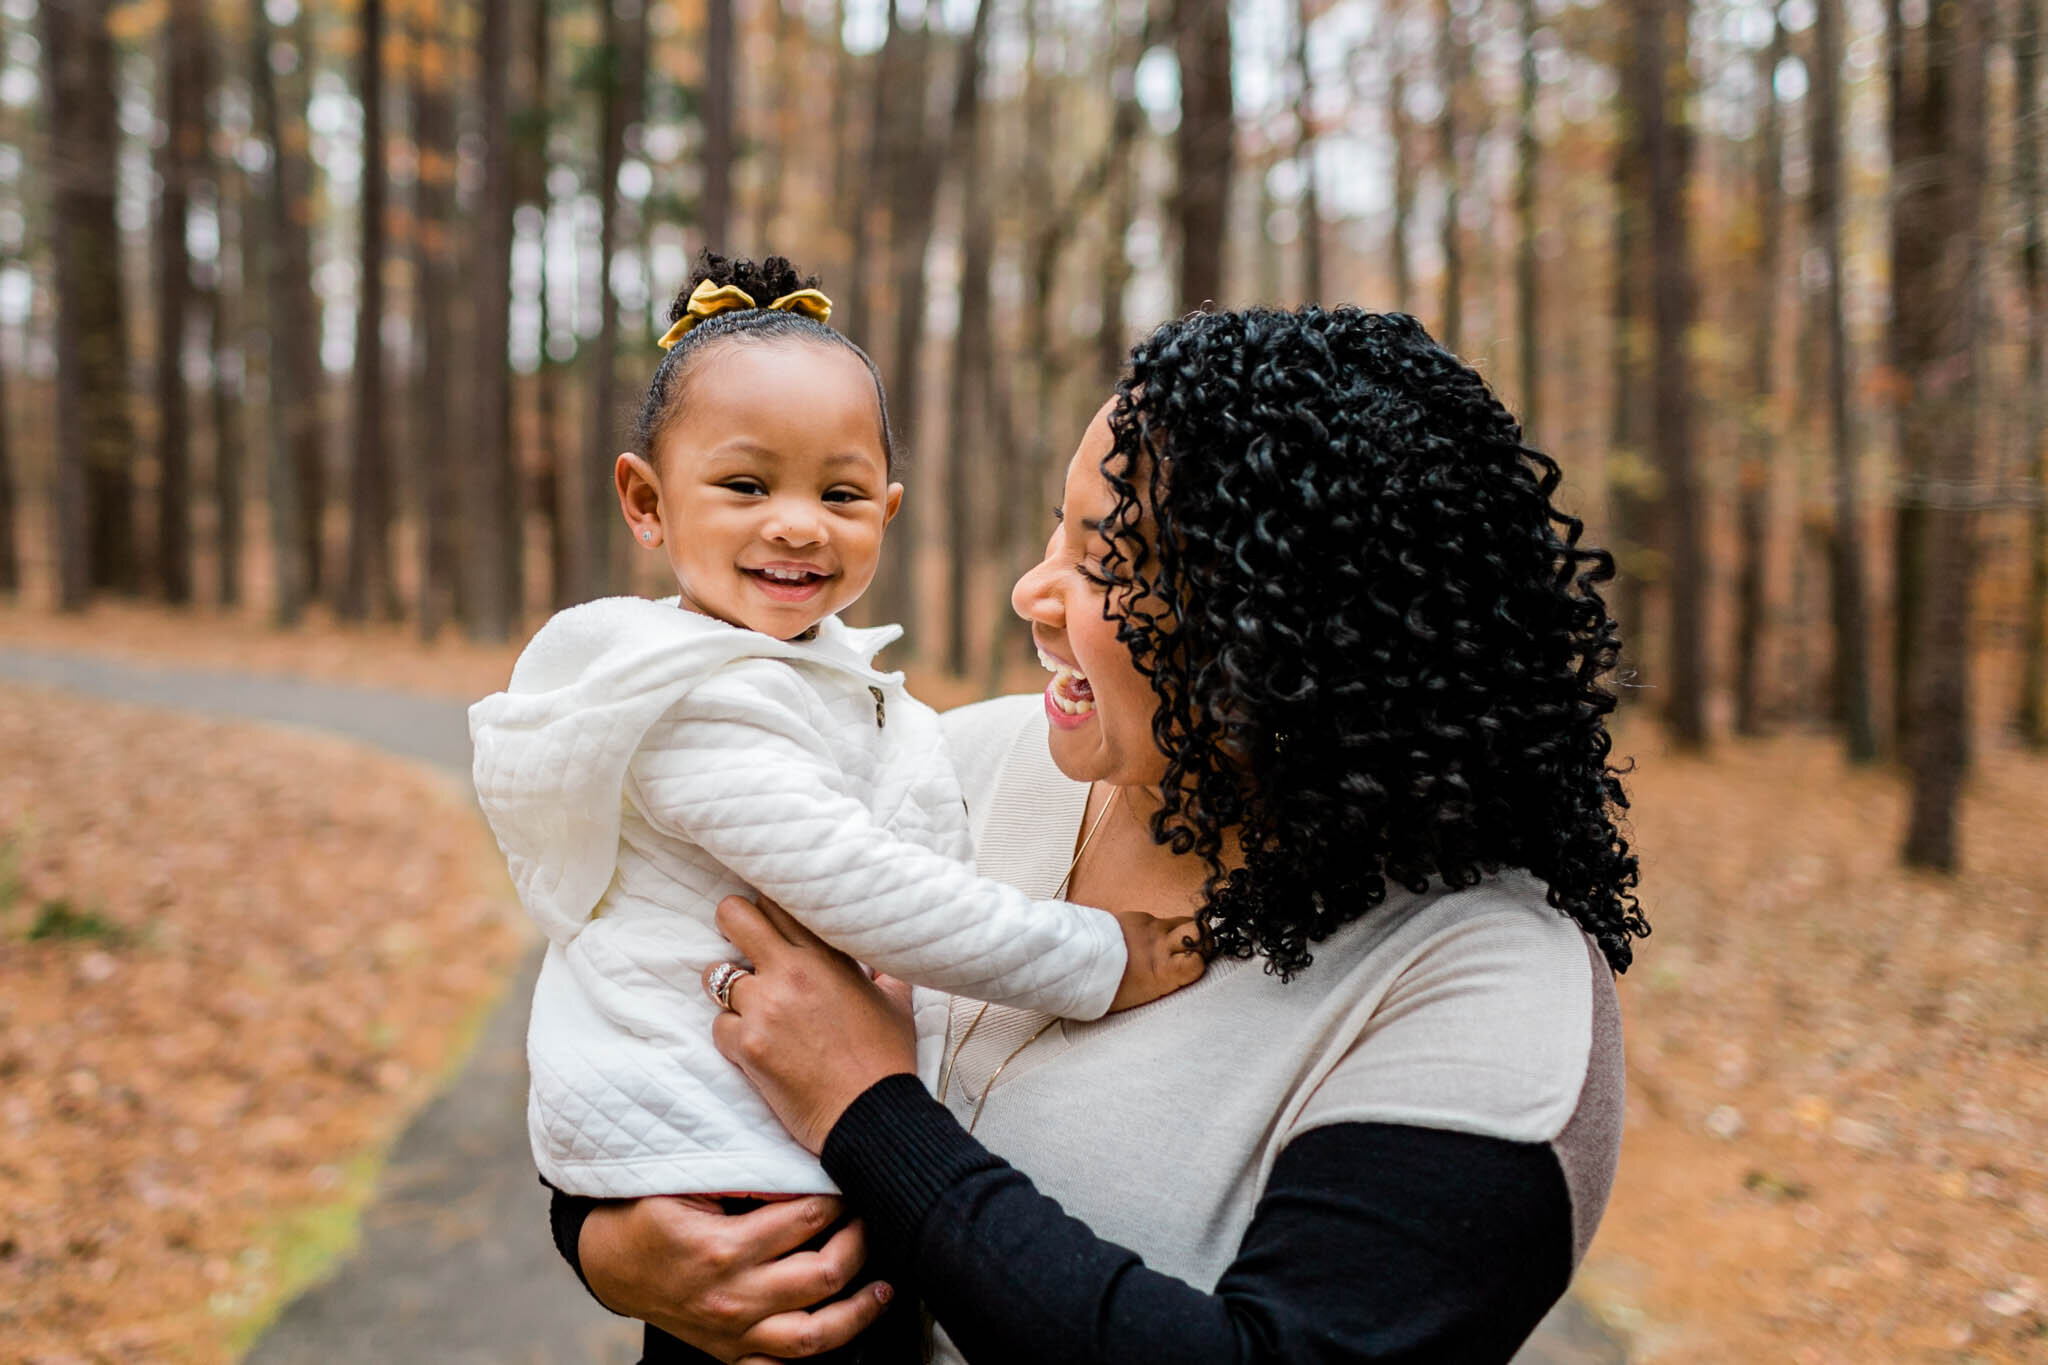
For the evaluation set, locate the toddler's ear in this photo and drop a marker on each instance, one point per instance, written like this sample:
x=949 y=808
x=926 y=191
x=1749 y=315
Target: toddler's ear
x=892 y=503
x=639 y=493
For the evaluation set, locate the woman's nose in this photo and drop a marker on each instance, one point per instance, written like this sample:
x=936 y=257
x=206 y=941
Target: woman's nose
x=1033 y=597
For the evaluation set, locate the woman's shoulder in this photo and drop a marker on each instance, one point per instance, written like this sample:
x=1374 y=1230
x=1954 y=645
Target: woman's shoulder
x=1497 y=1016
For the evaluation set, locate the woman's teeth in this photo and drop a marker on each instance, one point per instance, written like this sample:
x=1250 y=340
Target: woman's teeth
x=1070 y=691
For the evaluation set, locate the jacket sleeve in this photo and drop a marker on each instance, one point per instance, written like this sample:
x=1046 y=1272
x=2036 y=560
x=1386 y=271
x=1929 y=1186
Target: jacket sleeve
x=741 y=770
x=1371 y=1243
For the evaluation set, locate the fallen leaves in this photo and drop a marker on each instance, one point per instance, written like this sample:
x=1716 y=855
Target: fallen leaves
x=1837 y=1141
x=232 y=961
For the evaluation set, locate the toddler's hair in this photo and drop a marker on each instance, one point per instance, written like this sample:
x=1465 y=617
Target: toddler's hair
x=668 y=393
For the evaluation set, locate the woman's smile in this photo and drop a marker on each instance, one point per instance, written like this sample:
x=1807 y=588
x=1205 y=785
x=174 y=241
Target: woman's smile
x=1069 y=700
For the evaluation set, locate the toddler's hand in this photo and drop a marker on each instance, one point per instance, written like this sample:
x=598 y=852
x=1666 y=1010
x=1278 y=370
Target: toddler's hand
x=1164 y=955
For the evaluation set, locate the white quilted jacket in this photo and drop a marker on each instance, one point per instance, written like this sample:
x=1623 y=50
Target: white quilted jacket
x=647 y=761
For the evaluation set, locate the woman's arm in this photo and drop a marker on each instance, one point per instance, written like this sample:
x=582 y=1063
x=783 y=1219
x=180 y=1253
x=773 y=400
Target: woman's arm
x=1371 y=1242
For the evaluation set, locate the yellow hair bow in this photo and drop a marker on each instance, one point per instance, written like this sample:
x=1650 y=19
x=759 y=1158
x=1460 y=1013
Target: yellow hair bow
x=708 y=300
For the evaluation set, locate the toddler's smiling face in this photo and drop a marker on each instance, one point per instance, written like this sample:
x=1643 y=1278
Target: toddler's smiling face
x=770 y=494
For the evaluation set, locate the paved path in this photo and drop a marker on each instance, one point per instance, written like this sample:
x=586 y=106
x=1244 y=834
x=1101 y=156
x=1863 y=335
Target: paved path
x=455 y=1266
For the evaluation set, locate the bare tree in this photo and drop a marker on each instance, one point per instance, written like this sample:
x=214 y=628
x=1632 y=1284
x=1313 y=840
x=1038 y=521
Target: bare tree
x=967 y=404
x=2032 y=711
x=1661 y=47
x=1205 y=147
x=1852 y=665
x=624 y=57
x=720 y=101
x=1451 y=62
x=1942 y=411
x=434 y=280
x=491 y=581
x=10 y=553
x=1527 y=280
x=1753 y=478
x=369 y=576
x=286 y=326
x=178 y=166
x=226 y=327
x=1305 y=159
x=1399 y=133
x=94 y=510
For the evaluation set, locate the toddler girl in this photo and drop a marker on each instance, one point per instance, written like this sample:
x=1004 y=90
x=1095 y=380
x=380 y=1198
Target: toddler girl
x=650 y=758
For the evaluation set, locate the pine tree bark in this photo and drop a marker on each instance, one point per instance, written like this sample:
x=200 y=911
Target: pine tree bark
x=369 y=579
x=2031 y=714
x=1753 y=478
x=179 y=164
x=1631 y=508
x=1205 y=148
x=286 y=325
x=1943 y=408
x=441 y=549
x=491 y=594
x=557 y=463
x=1846 y=592
x=1663 y=44
x=94 y=507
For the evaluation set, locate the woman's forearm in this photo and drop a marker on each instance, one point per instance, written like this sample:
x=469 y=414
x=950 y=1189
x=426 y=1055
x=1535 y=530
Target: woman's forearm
x=1371 y=1242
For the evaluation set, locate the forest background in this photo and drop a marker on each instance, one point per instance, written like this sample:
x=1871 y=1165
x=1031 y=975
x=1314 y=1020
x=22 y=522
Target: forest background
x=318 y=313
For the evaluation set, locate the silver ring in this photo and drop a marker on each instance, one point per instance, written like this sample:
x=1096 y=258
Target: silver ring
x=721 y=981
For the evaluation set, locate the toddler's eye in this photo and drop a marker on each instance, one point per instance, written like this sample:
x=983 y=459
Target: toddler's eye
x=845 y=495
x=744 y=485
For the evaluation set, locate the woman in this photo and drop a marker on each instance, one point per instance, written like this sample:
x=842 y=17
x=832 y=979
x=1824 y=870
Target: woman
x=1327 y=665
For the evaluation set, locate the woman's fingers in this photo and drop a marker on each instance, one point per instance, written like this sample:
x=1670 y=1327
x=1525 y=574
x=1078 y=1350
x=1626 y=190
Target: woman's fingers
x=793 y=1336
x=805 y=1278
x=787 y=925
x=781 y=1226
x=750 y=931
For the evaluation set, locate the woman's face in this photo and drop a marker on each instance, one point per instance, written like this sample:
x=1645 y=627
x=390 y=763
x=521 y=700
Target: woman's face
x=1098 y=705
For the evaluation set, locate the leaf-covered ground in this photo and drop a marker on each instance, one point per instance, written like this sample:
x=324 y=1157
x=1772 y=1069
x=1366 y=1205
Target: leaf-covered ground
x=1837 y=1141
x=232 y=961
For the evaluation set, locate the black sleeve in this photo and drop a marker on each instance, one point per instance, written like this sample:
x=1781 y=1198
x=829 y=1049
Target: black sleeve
x=1371 y=1242
x=566 y=1216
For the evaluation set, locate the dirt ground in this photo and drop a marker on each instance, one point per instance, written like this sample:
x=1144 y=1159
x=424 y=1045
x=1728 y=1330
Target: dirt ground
x=1837 y=1142
x=232 y=961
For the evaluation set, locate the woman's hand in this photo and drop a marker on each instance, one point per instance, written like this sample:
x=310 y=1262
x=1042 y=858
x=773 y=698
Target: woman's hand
x=806 y=1025
x=732 y=1285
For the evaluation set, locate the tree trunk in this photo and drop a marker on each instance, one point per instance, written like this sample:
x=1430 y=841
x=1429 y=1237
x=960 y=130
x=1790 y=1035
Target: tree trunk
x=1205 y=148
x=492 y=584
x=369 y=520
x=1630 y=484
x=973 y=345
x=94 y=508
x=1305 y=156
x=10 y=553
x=720 y=104
x=1662 y=48
x=2032 y=711
x=285 y=328
x=1943 y=405
x=434 y=281
x=1404 y=187
x=867 y=192
x=1527 y=284
x=183 y=105
x=1449 y=74
x=783 y=131
x=225 y=332
x=558 y=464
x=625 y=53
x=1852 y=664
x=1111 y=339
x=1753 y=479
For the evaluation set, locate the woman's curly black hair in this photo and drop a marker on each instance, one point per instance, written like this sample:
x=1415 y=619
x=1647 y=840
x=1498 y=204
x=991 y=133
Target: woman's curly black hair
x=1376 y=642
x=668 y=392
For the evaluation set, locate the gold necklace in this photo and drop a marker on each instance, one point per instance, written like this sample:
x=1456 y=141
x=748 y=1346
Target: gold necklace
x=946 y=1075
